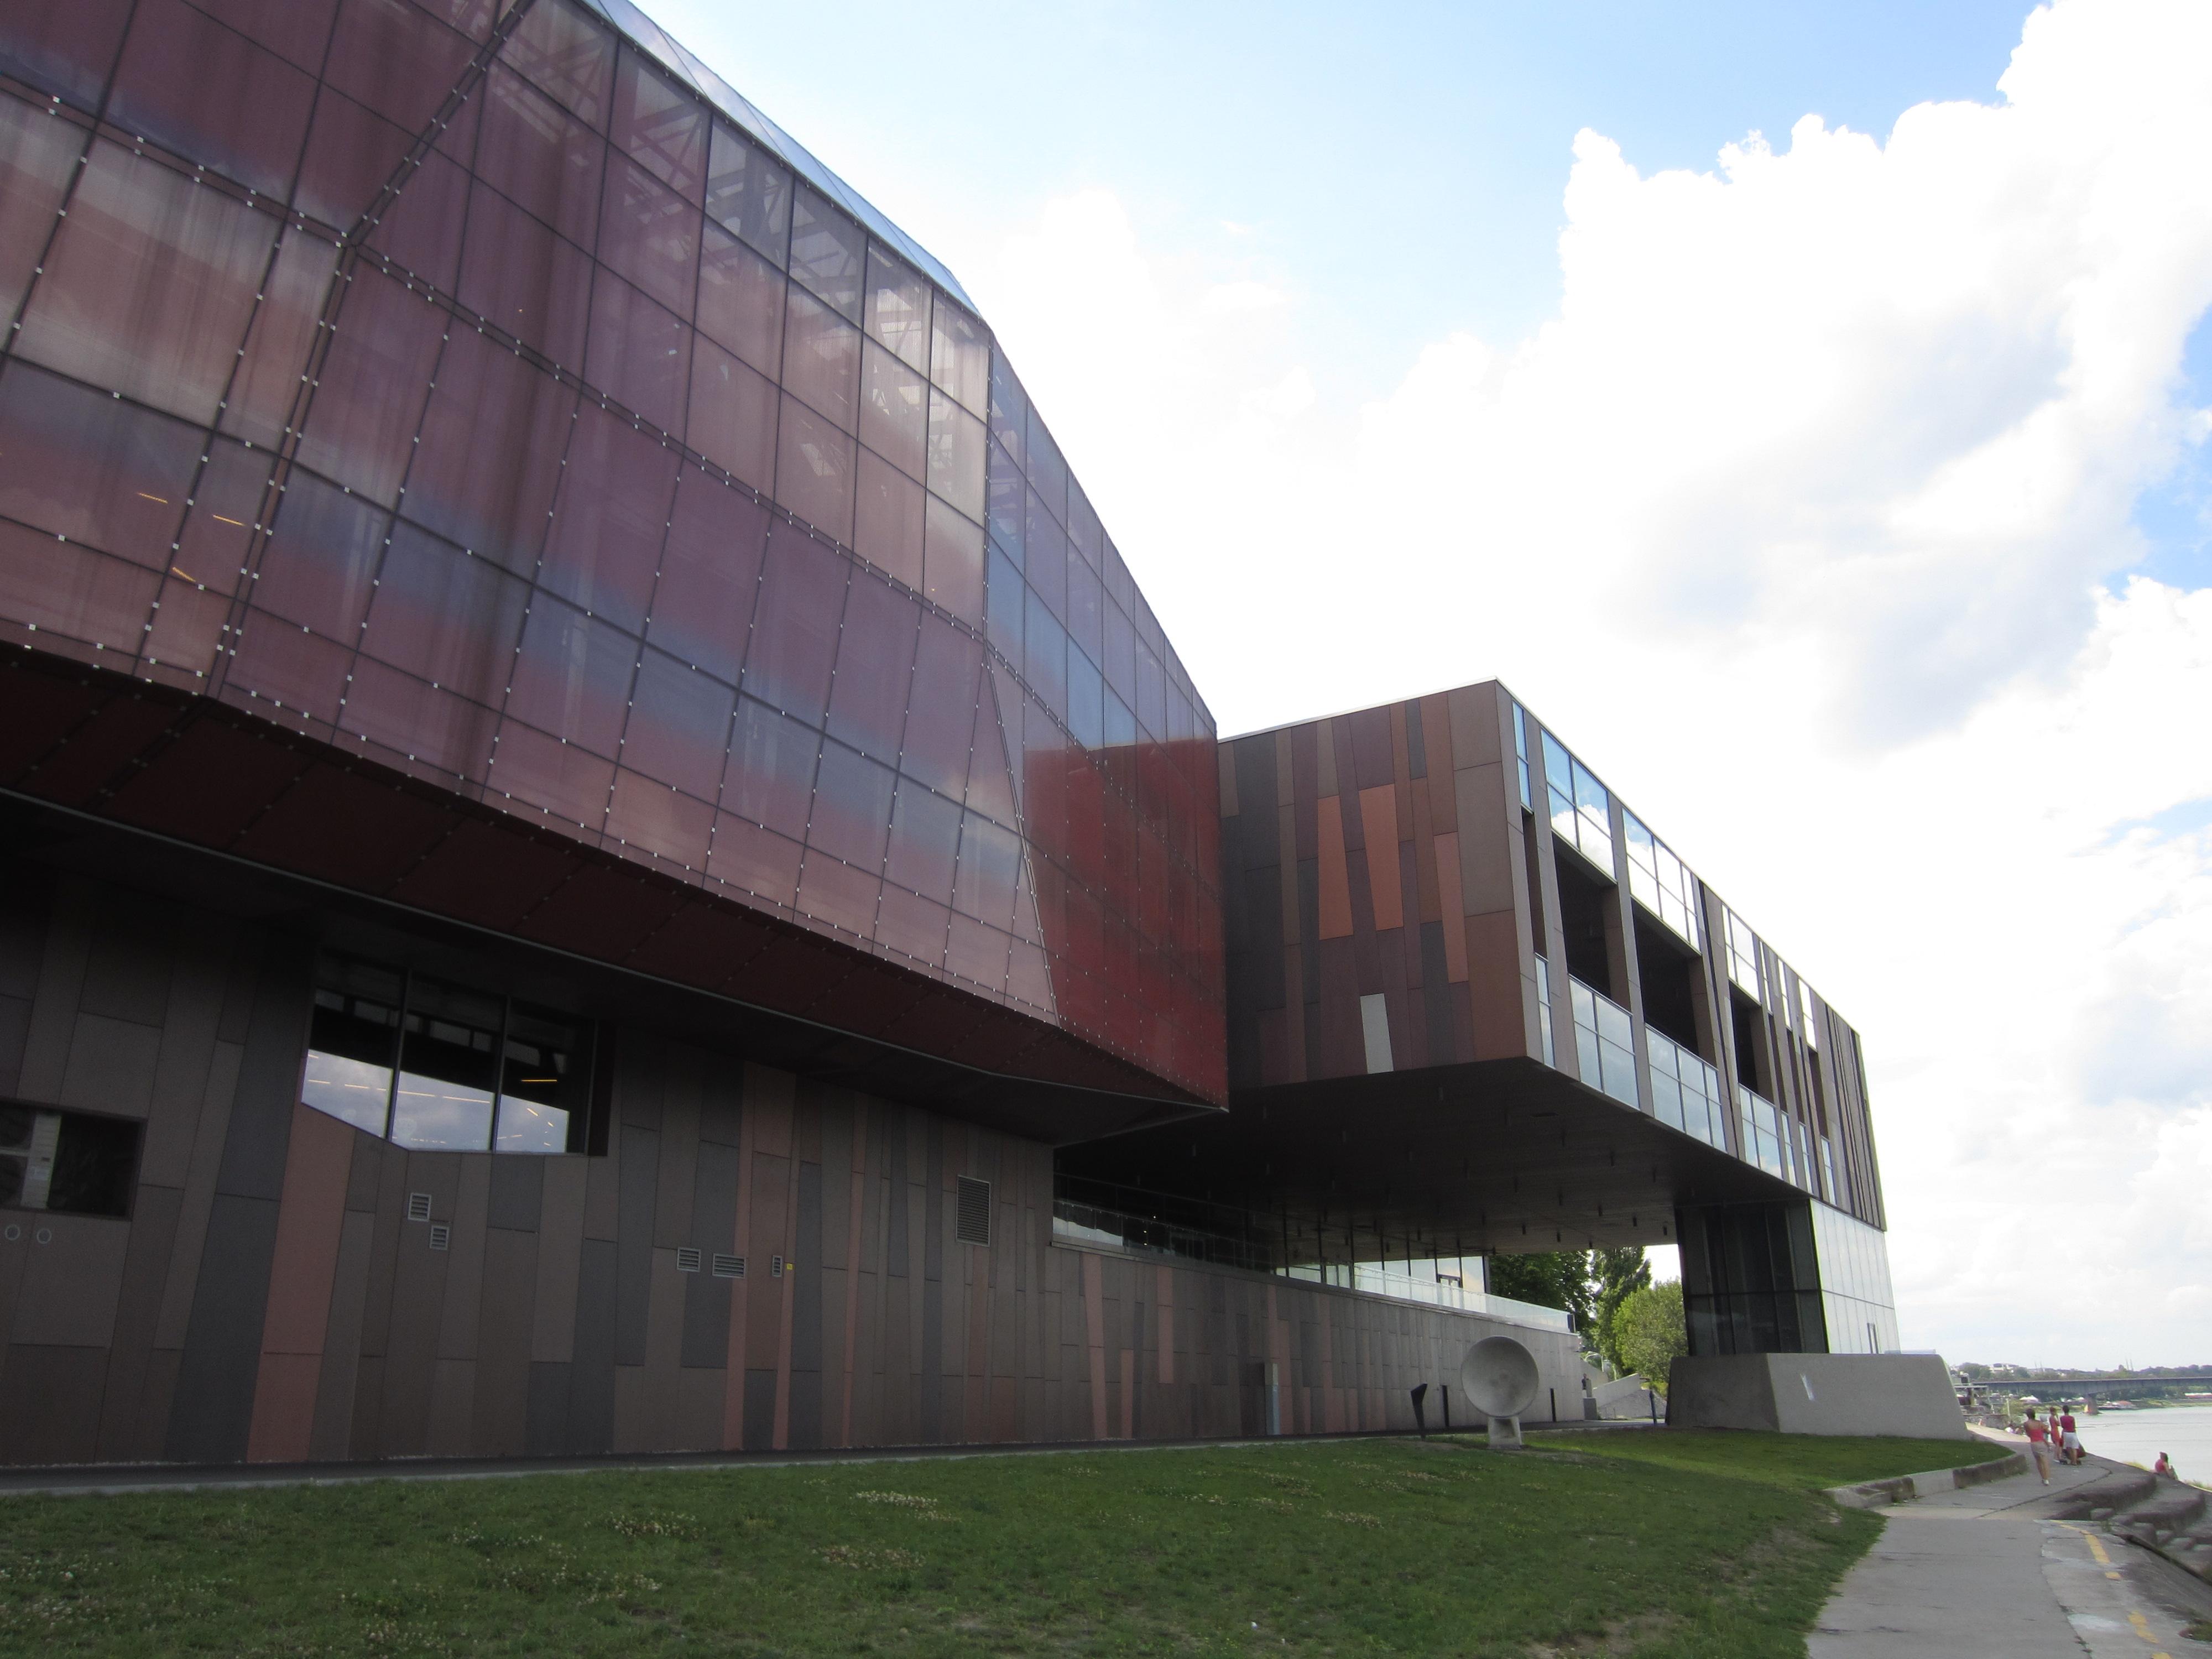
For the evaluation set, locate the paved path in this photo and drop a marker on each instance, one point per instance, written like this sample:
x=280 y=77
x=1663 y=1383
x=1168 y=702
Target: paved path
x=1986 y=1573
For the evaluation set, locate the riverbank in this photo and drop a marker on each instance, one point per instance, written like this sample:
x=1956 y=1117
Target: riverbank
x=1725 y=1549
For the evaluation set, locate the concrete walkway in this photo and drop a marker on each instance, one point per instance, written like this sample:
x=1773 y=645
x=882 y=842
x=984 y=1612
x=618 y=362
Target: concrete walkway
x=1986 y=1573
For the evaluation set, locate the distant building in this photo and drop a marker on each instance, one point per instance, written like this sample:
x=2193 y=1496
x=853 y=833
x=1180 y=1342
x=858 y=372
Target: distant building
x=603 y=854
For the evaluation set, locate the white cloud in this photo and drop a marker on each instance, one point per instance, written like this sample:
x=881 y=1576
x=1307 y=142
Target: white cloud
x=1808 y=518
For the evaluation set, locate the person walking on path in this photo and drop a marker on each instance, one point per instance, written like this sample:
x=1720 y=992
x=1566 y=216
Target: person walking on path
x=2038 y=1445
x=2069 y=1443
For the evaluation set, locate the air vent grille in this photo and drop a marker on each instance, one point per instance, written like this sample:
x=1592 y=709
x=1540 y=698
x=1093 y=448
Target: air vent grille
x=729 y=1267
x=418 y=1207
x=974 y=1225
x=687 y=1258
x=441 y=1236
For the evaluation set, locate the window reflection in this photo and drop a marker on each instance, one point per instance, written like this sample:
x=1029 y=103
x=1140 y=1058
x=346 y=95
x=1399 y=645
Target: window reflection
x=447 y=1069
x=352 y=1042
x=1660 y=882
x=1581 y=810
x=435 y=1066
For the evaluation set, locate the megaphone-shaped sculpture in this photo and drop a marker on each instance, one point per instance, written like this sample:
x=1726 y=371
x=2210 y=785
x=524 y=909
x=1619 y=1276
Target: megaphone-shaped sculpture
x=1498 y=1378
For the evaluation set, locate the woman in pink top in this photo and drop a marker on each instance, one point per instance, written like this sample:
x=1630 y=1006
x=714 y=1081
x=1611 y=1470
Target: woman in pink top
x=2038 y=1445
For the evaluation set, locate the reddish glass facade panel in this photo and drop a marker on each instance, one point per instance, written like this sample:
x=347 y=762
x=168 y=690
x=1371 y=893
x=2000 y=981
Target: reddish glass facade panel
x=497 y=409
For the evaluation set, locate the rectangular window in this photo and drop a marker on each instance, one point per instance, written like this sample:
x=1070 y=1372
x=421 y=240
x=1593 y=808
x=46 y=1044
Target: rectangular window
x=1660 y=882
x=1544 y=1012
x=1521 y=753
x=1581 y=810
x=973 y=1226
x=440 y=1067
x=1743 y=954
x=67 y=1162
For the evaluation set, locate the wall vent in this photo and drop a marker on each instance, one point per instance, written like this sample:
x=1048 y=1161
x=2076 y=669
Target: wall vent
x=441 y=1236
x=729 y=1267
x=418 y=1207
x=687 y=1258
x=974 y=1225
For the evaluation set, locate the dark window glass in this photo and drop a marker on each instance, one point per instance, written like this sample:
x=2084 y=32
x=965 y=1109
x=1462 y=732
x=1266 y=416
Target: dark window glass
x=1086 y=608
x=748 y=194
x=1047 y=472
x=990 y=860
x=448 y=1069
x=546 y=1082
x=1046 y=568
x=37 y=158
x=828 y=253
x=65 y=46
x=94 y=1162
x=662 y=127
x=353 y=1039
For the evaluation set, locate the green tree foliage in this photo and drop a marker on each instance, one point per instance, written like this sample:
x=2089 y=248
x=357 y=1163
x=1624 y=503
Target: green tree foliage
x=1589 y=1284
x=1647 y=1332
x=1614 y=1274
x=1549 y=1279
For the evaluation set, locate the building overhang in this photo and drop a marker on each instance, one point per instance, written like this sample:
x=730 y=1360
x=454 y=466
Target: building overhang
x=1505 y=1155
x=185 y=798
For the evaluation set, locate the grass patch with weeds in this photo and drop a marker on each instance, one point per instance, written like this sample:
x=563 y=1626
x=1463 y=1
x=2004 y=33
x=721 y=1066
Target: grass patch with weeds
x=1665 y=1545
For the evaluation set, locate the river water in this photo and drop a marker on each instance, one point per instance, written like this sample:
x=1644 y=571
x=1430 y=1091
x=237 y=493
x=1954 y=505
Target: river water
x=2182 y=1432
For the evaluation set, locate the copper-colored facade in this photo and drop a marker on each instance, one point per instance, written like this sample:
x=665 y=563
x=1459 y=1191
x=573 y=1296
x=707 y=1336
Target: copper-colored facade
x=589 y=815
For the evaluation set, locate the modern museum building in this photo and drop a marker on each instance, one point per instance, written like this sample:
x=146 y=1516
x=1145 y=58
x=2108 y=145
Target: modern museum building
x=598 y=852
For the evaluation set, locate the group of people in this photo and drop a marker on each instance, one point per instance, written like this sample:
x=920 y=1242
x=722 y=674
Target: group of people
x=2055 y=1438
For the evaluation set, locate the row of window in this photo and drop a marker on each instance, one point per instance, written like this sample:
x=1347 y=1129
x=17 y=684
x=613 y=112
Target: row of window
x=437 y=1067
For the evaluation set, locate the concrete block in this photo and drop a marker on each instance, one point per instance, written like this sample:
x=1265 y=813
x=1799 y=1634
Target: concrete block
x=1899 y=1394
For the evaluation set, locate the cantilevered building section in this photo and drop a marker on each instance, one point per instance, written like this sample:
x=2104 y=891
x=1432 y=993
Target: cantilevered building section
x=1476 y=1006
x=587 y=808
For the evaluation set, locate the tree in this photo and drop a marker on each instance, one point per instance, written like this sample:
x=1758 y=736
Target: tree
x=1647 y=1332
x=1616 y=1273
x=1548 y=1279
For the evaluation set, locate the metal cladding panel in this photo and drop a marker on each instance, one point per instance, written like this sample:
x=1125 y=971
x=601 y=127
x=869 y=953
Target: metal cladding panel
x=530 y=423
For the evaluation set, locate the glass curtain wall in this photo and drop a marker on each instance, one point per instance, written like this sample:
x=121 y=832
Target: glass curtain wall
x=491 y=393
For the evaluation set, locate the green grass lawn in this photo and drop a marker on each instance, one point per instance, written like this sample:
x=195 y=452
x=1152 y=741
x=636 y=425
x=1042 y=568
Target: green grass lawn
x=1653 y=1544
